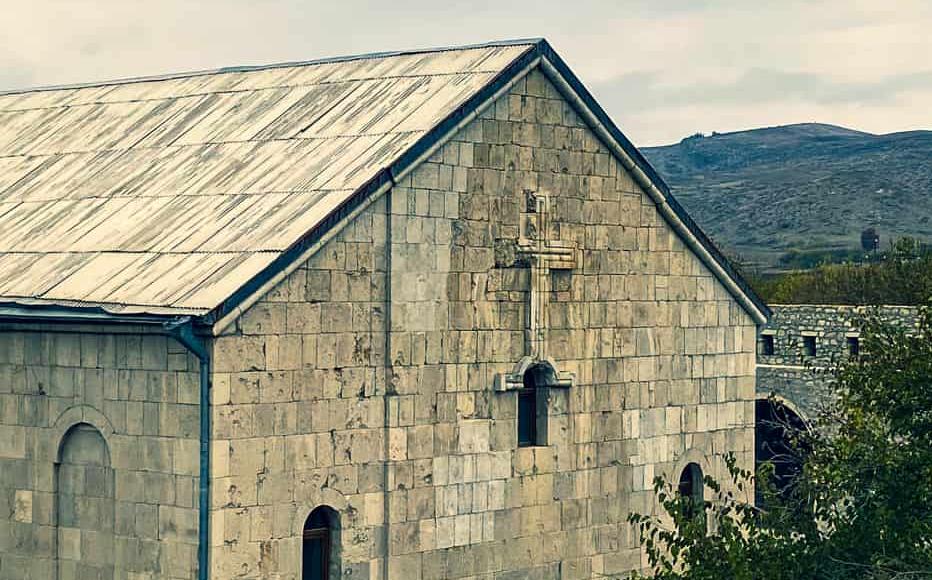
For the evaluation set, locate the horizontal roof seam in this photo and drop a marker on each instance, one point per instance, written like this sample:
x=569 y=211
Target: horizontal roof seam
x=209 y=143
x=243 y=91
x=256 y=68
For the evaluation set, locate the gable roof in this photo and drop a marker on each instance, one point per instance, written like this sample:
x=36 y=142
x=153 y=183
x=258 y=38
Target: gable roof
x=187 y=194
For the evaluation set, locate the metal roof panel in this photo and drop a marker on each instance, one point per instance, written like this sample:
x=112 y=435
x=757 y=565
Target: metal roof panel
x=170 y=193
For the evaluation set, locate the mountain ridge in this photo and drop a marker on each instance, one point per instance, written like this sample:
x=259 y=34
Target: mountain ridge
x=807 y=187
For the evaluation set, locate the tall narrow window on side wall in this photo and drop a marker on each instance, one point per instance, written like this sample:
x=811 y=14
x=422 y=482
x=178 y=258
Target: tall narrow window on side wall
x=321 y=545
x=691 y=490
x=527 y=415
x=809 y=345
x=766 y=344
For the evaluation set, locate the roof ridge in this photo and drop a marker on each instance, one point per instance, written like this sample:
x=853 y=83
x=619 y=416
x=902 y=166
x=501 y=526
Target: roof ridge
x=251 y=68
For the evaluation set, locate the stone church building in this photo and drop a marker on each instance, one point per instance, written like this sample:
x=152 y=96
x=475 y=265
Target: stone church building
x=396 y=316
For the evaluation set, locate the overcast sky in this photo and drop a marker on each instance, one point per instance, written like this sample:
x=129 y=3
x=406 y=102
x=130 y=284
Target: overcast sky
x=663 y=69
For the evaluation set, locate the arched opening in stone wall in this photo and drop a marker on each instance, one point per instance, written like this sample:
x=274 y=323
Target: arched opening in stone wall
x=320 y=558
x=85 y=505
x=691 y=488
x=532 y=404
x=777 y=428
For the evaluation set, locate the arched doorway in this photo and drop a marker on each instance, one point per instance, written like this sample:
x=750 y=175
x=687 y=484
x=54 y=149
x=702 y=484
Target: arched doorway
x=85 y=505
x=320 y=558
x=777 y=430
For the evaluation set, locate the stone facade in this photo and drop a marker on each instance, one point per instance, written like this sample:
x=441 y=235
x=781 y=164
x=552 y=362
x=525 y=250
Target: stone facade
x=798 y=377
x=365 y=381
x=107 y=421
x=370 y=381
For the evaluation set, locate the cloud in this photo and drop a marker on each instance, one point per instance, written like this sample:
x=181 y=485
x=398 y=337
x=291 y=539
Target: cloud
x=662 y=68
x=645 y=90
x=14 y=72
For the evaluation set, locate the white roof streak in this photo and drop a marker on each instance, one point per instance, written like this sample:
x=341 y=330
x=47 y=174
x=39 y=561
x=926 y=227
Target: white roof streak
x=166 y=195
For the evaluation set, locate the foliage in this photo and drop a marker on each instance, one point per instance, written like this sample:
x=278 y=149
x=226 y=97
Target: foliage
x=744 y=541
x=862 y=507
x=901 y=276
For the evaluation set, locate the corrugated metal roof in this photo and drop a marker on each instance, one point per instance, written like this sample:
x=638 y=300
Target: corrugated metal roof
x=168 y=194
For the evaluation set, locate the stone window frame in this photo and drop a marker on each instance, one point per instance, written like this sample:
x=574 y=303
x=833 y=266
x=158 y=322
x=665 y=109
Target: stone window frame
x=534 y=397
x=809 y=344
x=768 y=343
x=853 y=344
x=546 y=377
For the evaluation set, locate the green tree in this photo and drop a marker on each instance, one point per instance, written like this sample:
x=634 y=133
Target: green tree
x=901 y=276
x=862 y=507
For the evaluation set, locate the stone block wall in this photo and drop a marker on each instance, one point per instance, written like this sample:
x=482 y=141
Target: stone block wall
x=298 y=411
x=801 y=379
x=107 y=420
x=365 y=380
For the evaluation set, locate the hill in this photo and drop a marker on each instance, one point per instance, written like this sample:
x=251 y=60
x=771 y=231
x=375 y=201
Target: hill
x=808 y=188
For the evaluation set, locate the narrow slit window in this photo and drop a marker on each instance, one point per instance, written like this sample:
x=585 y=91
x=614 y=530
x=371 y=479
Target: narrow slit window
x=532 y=408
x=809 y=345
x=766 y=344
x=527 y=417
x=691 y=489
x=854 y=346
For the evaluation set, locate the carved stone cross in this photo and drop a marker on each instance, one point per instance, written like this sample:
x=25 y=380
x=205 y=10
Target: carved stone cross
x=538 y=250
x=542 y=254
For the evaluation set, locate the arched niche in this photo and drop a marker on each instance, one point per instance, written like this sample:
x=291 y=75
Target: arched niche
x=84 y=505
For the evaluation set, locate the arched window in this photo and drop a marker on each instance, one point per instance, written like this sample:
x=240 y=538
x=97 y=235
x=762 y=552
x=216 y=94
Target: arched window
x=691 y=488
x=321 y=545
x=85 y=505
x=532 y=406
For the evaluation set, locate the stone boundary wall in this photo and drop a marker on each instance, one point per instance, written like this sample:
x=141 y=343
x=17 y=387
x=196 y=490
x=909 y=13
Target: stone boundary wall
x=793 y=374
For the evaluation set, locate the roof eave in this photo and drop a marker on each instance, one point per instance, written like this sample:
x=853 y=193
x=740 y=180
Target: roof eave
x=59 y=314
x=573 y=89
x=538 y=53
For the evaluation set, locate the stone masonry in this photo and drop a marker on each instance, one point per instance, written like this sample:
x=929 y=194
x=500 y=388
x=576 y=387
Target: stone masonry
x=378 y=379
x=802 y=379
x=364 y=381
x=131 y=502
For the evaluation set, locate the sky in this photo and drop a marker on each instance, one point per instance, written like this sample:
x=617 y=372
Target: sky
x=663 y=69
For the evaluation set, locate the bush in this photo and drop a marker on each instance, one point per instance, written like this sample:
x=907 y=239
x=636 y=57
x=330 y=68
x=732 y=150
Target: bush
x=862 y=506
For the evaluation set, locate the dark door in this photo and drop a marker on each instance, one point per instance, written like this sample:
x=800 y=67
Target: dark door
x=316 y=565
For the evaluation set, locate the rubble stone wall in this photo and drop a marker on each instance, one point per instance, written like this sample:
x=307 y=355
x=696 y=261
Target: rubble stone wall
x=802 y=379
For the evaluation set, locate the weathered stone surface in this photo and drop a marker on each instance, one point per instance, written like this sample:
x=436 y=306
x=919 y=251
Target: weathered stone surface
x=125 y=505
x=801 y=379
x=364 y=382
x=406 y=317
